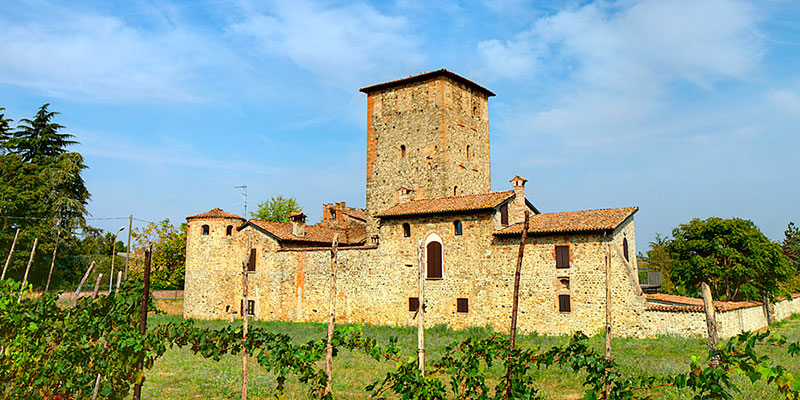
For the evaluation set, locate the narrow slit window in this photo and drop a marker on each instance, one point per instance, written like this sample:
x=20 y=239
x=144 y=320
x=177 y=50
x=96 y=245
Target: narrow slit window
x=402 y=151
x=564 y=305
x=455 y=190
x=251 y=261
x=206 y=229
x=462 y=305
x=434 y=250
x=562 y=256
x=468 y=155
x=413 y=304
x=406 y=230
x=625 y=249
x=229 y=230
x=457 y=228
x=504 y=214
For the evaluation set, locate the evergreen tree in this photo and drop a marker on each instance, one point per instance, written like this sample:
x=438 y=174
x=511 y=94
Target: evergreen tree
x=39 y=141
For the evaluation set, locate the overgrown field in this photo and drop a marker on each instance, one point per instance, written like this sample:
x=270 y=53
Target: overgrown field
x=179 y=374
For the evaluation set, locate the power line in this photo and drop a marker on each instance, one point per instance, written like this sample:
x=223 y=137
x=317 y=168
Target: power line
x=87 y=219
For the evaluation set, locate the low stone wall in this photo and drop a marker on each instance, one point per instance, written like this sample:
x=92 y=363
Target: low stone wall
x=729 y=323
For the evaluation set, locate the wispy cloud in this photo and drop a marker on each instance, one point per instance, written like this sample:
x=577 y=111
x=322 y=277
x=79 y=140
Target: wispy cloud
x=338 y=44
x=96 y=57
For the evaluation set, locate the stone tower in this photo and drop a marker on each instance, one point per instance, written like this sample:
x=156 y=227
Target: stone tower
x=427 y=137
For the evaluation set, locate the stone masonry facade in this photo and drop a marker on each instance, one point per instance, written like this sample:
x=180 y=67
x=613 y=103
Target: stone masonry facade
x=428 y=184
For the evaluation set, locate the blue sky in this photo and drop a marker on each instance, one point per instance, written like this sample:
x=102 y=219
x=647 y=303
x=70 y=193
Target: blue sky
x=683 y=108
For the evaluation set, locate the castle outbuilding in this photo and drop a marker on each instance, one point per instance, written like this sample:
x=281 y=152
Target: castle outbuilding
x=428 y=182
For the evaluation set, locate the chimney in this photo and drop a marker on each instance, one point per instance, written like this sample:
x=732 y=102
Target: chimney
x=298 y=224
x=517 y=207
x=405 y=195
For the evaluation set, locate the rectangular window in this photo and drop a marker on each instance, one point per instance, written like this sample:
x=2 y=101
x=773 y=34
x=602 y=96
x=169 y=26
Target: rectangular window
x=562 y=256
x=564 y=303
x=504 y=214
x=413 y=304
x=251 y=307
x=251 y=261
x=462 y=305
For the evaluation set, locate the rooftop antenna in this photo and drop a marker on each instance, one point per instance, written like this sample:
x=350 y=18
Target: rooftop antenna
x=244 y=198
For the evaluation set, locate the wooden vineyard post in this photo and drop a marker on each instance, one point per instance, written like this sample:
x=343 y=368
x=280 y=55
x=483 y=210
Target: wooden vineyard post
x=137 y=387
x=128 y=257
x=515 y=300
x=8 y=260
x=332 y=317
x=711 y=323
x=608 y=318
x=80 y=285
x=421 y=309
x=97 y=286
x=53 y=261
x=245 y=313
x=27 y=269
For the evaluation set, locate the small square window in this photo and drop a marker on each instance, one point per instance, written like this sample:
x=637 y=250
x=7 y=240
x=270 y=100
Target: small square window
x=462 y=305
x=251 y=307
x=564 y=305
x=206 y=229
x=413 y=304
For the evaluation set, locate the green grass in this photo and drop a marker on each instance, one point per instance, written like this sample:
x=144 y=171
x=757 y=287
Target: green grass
x=179 y=374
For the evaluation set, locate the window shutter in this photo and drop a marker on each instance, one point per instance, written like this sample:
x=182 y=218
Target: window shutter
x=413 y=303
x=564 y=303
x=241 y=307
x=562 y=256
x=462 y=305
x=434 y=260
x=504 y=214
x=251 y=307
x=251 y=262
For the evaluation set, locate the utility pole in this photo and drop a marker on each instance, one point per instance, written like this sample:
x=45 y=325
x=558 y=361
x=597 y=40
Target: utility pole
x=421 y=309
x=113 y=256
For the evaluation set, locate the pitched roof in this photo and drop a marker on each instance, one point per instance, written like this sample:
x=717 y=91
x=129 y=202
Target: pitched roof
x=357 y=213
x=316 y=233
x=427 y=76
x=573 y=221
x=470 y=202
x=214 y=213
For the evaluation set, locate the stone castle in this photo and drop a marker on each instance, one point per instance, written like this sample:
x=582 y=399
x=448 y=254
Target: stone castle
x=428 y=183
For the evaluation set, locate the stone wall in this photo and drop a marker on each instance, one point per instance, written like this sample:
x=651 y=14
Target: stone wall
x=417 y=138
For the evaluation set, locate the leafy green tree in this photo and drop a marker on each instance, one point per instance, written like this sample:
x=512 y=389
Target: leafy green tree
x=731 y=255
x=40 y=184
x=277 y=209
x=791 y=248
x=168 y=259
x=658 y=257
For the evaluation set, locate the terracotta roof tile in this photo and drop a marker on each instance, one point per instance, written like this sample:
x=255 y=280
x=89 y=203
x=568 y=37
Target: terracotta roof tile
x=214 y=213
x=313 y=233
x=691 y=304
x=357 y=213
x=572 y=221
x=472 y=202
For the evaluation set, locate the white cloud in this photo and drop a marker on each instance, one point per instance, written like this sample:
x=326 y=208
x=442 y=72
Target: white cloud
x=787 y=101
x=96 y=57
x=337 y=44
x=611 y=68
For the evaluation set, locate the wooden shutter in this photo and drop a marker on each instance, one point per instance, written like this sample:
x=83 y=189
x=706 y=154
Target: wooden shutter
x=462 y=305
x=562 y=256
x=413 y=303
x=564 y=303
x=241 y=307
x=504 y=214
x=251 y=262
x=434 y=260
x=251 y=307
